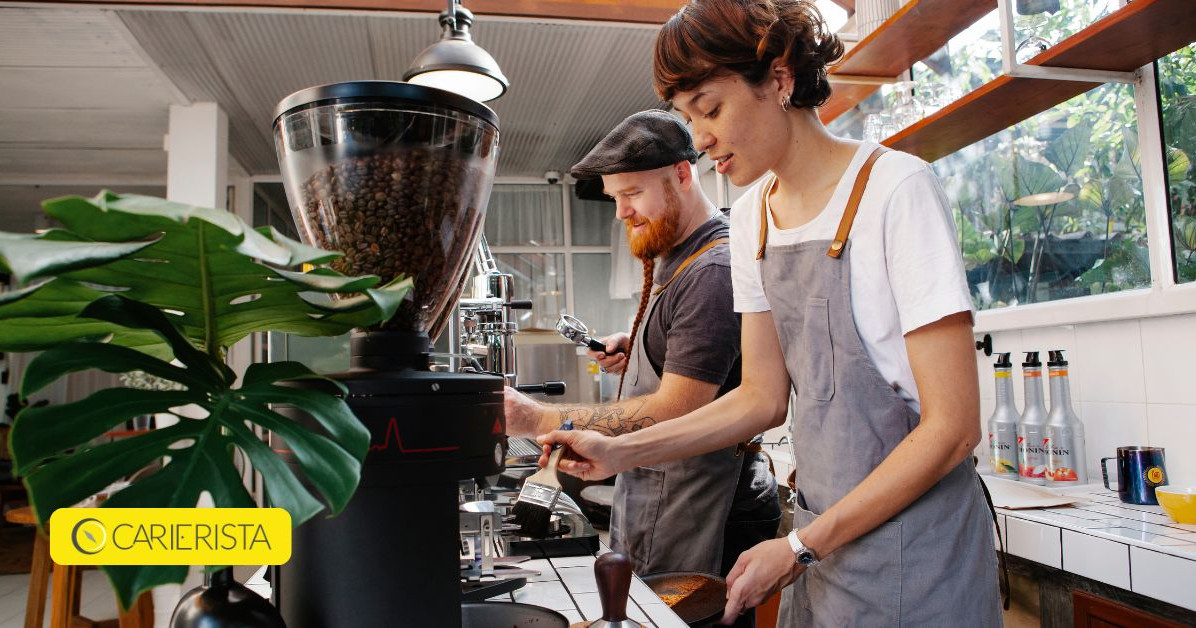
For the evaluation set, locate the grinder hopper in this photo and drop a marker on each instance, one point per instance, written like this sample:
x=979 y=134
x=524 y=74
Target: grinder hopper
x=397 y=177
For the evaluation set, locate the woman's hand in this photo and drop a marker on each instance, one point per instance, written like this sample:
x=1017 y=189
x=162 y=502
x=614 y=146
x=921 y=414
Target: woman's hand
x=760 y=572
x=524 y=414
x=590 y=455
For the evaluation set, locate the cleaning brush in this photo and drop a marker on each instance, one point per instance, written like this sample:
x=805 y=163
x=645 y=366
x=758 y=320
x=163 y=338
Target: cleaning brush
x=533 y=509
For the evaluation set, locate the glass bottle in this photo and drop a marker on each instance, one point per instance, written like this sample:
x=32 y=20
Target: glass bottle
x=1002 y=425
x=1064 y=435
x=1031 y=455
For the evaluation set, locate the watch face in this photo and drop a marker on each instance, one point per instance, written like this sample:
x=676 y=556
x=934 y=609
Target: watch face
x=806 y=558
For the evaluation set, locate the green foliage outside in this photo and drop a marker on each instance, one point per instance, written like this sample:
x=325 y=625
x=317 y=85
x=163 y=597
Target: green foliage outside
x=1177 y=91
x=1085 y=152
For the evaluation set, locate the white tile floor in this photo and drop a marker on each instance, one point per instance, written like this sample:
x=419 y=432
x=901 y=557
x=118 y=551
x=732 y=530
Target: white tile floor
x=97 y=601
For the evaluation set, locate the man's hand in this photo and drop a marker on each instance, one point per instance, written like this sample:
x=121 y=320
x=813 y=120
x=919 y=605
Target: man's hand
x=760 y=572
x=524 y=414
x=614 y=359
x=590 y=455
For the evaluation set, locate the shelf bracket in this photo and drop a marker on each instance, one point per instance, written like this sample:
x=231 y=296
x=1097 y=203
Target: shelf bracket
x=1011 y=67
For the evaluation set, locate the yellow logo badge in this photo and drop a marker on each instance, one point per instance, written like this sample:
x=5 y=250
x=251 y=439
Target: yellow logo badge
x=1154 y=475
x=170 y=536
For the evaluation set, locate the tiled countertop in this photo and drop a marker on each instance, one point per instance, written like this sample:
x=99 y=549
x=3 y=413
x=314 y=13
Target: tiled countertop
x=1137 y=548
x=567 y=585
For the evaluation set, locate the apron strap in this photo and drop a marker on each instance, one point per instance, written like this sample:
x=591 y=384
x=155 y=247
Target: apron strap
x=853 y=205
x=689 y=260
x=772 y=185
x=1003 y=582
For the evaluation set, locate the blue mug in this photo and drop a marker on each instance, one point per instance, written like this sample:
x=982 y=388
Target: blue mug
x=1139 y=471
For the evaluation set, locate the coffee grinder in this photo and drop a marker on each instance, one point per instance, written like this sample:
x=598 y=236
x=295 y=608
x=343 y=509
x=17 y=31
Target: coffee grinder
x=397 y=177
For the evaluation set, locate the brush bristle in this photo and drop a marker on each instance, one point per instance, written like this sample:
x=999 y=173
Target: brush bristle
x=533 y=519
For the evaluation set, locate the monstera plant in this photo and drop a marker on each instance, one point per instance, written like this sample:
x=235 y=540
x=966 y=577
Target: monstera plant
x=133 y=283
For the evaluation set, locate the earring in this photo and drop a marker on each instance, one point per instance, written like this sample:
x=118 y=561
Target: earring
x=785 y=101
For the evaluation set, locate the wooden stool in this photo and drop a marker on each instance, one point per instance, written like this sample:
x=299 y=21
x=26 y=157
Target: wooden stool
x=68 y=584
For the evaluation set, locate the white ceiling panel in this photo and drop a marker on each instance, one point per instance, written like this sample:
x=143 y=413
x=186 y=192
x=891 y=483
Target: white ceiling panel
x=570 y=82
x=78 y=88
x=77 y=38
x=119 y=163
x=84 y=128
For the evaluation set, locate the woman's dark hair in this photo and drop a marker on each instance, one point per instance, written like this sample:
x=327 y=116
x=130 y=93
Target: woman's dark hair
x=712 y=38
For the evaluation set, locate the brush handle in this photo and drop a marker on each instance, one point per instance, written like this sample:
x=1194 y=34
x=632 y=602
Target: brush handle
x=553 y=459
x=613 y=573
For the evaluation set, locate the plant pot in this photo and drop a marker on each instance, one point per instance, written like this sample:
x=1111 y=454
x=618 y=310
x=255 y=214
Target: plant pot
x=226 y=603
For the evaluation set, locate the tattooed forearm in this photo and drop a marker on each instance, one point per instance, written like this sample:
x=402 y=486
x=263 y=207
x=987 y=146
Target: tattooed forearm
x=612 y=419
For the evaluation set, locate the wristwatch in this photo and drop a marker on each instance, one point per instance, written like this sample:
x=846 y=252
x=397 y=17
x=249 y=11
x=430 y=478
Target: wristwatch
x=802 y=554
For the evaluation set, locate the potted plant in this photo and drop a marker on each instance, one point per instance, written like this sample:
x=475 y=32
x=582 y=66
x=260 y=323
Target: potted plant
x=138 y=284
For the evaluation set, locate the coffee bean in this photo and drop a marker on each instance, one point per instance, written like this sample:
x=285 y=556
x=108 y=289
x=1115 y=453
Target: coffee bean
x=385 y=213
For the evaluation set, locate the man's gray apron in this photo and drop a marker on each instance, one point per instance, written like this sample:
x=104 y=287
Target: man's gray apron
x=670 y=517
x=933 y=563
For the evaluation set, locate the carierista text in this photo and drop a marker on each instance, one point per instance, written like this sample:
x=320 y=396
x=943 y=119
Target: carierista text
x=191 y=536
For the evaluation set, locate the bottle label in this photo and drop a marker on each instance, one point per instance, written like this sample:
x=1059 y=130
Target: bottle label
x=1032 y=458
x=1059 y=373
x=1032 y=373
x=1002 y=452
x=1061 y=462
x=1003 y=374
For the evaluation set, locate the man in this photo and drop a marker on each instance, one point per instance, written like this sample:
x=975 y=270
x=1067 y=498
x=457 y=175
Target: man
x=696 y=514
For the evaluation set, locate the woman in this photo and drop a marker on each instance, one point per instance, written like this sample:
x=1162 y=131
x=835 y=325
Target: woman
x=869 y=320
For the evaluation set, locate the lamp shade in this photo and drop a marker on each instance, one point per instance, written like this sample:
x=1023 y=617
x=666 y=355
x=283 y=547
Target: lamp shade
x=456 y=64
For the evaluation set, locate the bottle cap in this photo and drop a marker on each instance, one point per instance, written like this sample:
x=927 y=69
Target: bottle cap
x=1057 y=358
x=1002 y=361
x=1032 y=359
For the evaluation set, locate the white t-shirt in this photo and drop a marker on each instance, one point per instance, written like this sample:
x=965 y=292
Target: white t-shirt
x=905 y=261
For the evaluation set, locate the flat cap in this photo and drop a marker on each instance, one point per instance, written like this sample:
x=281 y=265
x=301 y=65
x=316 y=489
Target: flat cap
x=643 y=141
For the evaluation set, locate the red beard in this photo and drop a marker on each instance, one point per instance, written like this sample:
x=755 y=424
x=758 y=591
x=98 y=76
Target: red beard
x=657 y=236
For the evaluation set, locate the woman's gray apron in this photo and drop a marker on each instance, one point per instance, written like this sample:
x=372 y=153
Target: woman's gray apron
x=933 y=563
x=670 y=517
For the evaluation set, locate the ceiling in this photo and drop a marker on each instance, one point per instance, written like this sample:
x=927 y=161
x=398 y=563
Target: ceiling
x=85 y=92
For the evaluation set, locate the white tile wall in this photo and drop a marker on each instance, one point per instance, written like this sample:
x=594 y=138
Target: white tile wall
x=1033 y=541
x=1108 y=426
x=1168 y=344
x=1173 y=427
x=1099 y=559
x=1111 y=356
x=1049 y=338
x=1164 y=577
x=1131 y=383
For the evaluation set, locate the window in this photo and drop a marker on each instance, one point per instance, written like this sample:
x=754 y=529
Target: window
x=1052 y=207
x=525 y=215
x=539 y=277
x=1177 y=96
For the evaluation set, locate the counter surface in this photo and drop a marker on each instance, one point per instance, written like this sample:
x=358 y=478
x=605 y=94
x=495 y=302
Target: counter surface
x=567 y=585
x=1136 y=548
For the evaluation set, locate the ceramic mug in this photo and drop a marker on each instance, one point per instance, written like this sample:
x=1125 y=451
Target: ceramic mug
x=1139 y=471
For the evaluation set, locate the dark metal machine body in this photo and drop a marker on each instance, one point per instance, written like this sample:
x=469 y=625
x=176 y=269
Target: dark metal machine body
x=397 y=177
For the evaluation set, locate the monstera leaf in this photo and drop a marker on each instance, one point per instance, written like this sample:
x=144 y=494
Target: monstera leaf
x=139 y=284
x=220 y=279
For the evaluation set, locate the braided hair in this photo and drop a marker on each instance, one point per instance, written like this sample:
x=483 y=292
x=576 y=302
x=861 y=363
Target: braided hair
x=645 y=294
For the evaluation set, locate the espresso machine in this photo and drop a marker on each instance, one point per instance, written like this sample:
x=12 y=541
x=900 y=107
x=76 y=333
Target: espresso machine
x=397 y=176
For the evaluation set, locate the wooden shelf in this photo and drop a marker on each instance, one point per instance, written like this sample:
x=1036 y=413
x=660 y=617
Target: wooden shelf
x=1127 y=39
x=913 y=33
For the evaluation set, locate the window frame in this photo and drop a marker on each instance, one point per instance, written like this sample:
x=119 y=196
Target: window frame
x=1164 y=297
